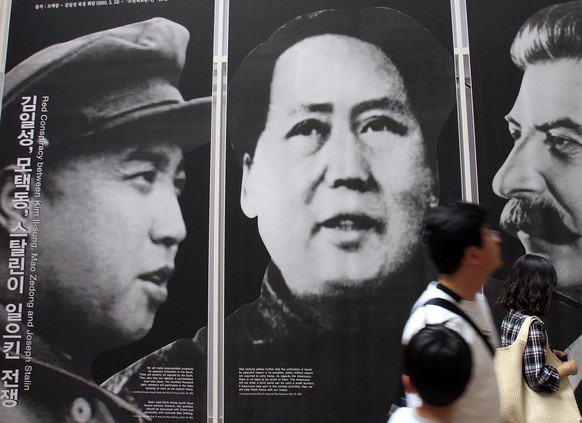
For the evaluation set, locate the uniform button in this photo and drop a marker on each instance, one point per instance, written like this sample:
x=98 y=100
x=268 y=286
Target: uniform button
x=81 y=410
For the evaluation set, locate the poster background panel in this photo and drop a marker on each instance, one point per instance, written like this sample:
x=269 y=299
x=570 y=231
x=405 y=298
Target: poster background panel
x=496 y=82
x=251 y=23
x=32 y=29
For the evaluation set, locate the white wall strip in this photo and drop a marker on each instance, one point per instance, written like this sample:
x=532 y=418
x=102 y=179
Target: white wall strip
x=215 y=369
x=5 y=6
x=467 y=149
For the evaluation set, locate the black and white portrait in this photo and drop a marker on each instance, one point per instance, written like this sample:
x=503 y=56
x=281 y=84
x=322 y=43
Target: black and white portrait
x=108 y=131
x=334 y=115
x=529 y=120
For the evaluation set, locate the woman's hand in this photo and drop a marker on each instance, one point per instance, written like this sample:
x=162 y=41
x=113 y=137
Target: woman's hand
x=568 y=368
x=560 y=354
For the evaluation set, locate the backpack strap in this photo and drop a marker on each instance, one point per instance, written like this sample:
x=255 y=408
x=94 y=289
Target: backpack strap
x=441 y=302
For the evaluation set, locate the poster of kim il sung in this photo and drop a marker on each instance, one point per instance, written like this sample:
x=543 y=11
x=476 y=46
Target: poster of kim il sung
x=104 y=162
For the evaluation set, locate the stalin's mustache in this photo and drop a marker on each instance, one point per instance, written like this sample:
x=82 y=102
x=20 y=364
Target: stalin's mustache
x=539 y=217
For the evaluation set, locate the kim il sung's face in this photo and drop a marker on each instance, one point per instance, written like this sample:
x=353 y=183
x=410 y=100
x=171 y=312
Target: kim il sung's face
x=110 y=232
x=339 y=179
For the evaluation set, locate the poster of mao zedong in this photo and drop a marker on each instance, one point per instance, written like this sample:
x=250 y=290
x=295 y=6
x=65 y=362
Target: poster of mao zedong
x=340 y=119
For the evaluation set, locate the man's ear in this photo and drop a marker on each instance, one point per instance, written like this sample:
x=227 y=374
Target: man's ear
x=9 y=216
x=246 y=190
x=472 y=255
x=408 y=385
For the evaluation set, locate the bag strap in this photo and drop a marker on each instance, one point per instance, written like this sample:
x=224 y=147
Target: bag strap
x=524 y=330
x=441 y=302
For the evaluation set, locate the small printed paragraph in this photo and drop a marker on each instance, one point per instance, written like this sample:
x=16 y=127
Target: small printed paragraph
x=167 y=380
x=175 y=410
x=274 y=381
x=168 y=385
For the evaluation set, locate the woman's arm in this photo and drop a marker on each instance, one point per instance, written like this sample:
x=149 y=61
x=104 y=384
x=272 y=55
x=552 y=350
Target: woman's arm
x=538 y=375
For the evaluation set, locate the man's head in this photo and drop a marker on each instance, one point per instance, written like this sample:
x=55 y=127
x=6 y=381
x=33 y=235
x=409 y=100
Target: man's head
x=437 y=365
x=335 y=125
x=457 y=233
x=541 y=175
x=110 y=174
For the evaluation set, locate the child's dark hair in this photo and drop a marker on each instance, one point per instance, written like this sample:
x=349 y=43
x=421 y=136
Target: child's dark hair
x=438 y=361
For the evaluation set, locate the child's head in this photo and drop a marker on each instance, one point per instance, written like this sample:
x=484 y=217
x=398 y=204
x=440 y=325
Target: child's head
x=437 y=365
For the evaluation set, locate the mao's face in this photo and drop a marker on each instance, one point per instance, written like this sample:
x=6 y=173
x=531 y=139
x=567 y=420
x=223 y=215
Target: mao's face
x=339 y=180
x=109 y=233
x=542 y=175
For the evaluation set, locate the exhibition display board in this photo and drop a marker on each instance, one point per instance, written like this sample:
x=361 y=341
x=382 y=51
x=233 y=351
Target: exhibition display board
x=105 y=152
x=528 y=143
x=341 y=133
